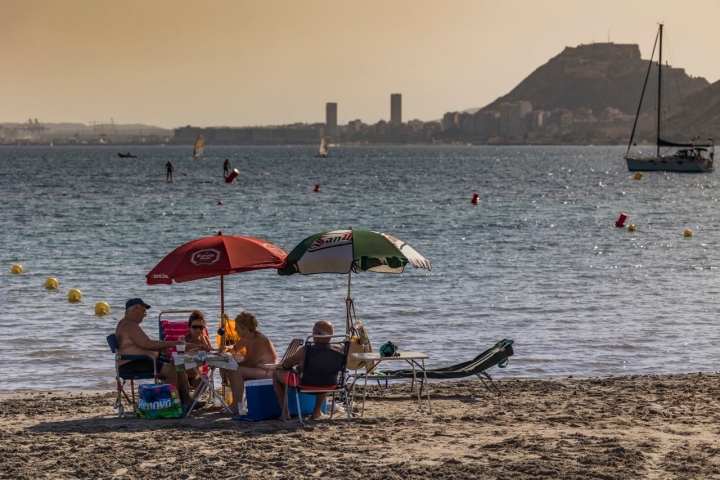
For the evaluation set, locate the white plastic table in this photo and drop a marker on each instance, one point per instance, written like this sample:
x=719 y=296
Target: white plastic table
x=415 y=359
x=192 y=360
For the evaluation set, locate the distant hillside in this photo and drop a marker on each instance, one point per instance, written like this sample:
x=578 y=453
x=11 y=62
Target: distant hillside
x=700 y=115
x=598 y=76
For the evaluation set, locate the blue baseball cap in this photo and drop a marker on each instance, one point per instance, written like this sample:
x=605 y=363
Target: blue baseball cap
x=135 y=301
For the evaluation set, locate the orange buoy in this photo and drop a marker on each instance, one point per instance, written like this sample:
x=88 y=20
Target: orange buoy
x=620 y=222
x=475 y=199
x=233 y=175
x=317 y=187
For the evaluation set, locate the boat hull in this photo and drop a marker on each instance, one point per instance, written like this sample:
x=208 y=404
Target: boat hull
x=669 y=164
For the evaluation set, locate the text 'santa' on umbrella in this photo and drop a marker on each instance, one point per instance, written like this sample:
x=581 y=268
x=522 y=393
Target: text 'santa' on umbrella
x=215 y=256
x=344 y=251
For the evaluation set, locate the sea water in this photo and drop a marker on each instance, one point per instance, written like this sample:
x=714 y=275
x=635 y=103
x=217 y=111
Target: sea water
x=538 y=259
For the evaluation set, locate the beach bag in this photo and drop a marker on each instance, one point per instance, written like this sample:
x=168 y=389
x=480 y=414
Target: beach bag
x=359 y=343
x=389 y=350
x=159 y=400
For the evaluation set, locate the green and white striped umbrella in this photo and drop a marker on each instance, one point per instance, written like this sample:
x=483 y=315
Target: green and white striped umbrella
x=345 y=251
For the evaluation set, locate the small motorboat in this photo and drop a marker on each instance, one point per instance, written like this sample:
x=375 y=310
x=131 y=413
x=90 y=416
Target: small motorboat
x=126 y=155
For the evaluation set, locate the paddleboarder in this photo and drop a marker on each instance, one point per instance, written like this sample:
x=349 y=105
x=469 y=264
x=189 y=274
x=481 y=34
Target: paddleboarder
x=169 y=168
x=226 y=167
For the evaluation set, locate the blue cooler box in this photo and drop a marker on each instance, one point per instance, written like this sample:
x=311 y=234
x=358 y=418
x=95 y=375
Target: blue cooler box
x=263 y=404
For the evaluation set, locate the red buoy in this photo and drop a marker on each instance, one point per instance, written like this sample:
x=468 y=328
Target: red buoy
x=233 y=175
x=620 y=222
x=474 y=199
x=220 y=202
x=317 y=187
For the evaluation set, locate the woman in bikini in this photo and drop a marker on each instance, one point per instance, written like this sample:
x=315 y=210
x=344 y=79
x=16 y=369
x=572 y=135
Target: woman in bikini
x=197 y=335
x=252 y=352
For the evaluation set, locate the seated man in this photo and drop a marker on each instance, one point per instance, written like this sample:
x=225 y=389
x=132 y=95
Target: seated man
x=252 y=352
x=132 y=340
x=283 y=375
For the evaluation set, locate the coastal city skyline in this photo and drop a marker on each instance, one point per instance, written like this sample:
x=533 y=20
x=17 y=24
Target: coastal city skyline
x=274 y=63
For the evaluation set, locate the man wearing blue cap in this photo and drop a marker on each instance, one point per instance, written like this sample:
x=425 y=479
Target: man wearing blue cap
x=132 y=340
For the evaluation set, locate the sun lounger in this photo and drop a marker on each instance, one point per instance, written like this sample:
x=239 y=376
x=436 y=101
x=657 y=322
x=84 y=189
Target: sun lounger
x=497 y=355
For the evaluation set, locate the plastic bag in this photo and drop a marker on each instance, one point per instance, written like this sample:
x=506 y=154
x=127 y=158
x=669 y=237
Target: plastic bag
x=159 y=401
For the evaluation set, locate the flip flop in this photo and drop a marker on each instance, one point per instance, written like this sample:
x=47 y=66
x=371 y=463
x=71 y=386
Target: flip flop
x=320 y=419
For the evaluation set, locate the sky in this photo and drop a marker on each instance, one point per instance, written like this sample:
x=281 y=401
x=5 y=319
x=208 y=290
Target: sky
x=172 y=63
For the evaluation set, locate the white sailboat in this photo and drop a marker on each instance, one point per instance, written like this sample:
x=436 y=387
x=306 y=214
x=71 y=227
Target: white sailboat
x=693 y=157
x=323 y=150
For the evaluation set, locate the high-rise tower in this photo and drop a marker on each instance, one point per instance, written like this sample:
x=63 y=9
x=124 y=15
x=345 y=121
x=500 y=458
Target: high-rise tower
x=331 y=118
x=396 y=108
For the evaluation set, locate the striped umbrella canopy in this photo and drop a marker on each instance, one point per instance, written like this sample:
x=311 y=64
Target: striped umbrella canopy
x=345 y=251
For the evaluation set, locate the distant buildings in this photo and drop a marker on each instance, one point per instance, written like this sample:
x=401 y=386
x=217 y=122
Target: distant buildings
x=396 y=108
x=33 y=132
x=508 y=123
x=296 y=134
x=513 y=118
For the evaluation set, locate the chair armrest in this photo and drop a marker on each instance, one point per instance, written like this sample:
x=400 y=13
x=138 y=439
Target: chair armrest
x=136 y=357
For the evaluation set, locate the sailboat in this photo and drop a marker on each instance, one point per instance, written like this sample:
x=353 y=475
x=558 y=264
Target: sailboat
x=199 y=146
x=693 y=157
x=323 y=150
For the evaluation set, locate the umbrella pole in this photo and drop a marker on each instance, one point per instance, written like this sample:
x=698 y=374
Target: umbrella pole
x=222 y=294
x=349 y=309
x=223 y=329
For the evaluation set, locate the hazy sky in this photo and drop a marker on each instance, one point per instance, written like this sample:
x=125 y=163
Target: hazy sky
x=172 y=63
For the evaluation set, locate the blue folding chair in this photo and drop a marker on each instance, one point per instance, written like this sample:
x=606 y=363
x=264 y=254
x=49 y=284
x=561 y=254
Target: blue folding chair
x=121 y=378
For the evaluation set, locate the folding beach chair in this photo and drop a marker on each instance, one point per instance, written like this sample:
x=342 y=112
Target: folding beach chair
x=323 y=371
x=121 y=378
x=497 y=355
x=292 y=348
x=171 y=330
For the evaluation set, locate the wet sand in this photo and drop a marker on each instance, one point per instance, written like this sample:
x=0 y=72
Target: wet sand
x=659 y=426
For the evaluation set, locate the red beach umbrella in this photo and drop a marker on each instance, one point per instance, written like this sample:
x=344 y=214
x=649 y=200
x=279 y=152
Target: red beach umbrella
x=219 y=255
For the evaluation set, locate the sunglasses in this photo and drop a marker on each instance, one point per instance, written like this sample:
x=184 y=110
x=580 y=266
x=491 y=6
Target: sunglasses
x=197 y=327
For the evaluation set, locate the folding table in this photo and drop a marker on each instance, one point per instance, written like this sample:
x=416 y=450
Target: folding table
x=188 y=360
x=415 y=359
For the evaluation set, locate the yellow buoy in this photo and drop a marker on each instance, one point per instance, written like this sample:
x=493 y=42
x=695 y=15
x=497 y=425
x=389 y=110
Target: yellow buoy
x=51 y=283
x=631 y=228
x=16 y=269
x=74 y=295
x=101 y=309
x=638 y=176
x=688 y=233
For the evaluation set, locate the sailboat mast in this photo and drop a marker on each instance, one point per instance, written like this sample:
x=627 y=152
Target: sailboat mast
x=659 y=112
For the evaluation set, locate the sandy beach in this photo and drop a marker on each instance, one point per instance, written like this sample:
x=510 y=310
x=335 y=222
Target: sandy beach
x=659 y=426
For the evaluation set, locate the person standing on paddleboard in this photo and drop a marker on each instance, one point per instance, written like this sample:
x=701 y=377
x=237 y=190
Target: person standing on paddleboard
x=169 y=167
x=226 y=167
